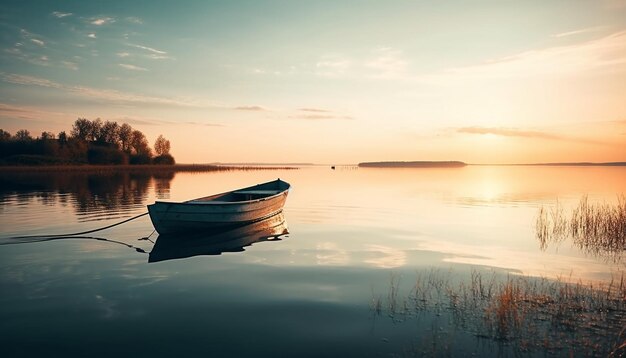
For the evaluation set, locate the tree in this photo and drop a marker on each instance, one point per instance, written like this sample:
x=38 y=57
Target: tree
x=110 y=133
x=139 y=143
x=23 y=135
x=4 y=136
x=125 y=136
x=162 y=146
x=82 y=129
x=96 y=130
x=62 y=138
x=47 y=136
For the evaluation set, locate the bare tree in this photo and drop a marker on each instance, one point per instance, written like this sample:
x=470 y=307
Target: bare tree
x=162 y=146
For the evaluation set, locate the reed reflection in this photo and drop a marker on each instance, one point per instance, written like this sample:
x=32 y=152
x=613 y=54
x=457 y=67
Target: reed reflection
x=596 y=228
x=177 y=246
x=92 y=195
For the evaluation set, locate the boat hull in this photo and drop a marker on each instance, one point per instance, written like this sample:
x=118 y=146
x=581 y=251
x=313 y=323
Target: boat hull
x=191 y=216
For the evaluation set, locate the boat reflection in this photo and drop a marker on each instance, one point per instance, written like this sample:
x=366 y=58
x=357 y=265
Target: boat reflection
x=234 y=239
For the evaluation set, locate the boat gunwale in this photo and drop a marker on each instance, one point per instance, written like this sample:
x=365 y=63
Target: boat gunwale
x=217 y=202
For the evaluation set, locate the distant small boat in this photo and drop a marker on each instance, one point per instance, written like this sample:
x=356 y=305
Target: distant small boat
x=216 y=242
x=230 y=209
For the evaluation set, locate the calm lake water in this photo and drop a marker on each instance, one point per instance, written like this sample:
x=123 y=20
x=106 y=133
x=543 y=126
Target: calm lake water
x=306 y=288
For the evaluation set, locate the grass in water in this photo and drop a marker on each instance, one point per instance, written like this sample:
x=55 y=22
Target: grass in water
x=597 y=228
x=532 y=315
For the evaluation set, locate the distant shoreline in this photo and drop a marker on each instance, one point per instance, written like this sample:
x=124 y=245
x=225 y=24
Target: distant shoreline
x=572 y=164
x=148 y=168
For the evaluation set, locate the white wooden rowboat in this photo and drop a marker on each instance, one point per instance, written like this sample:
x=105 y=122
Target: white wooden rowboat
x=219 y=211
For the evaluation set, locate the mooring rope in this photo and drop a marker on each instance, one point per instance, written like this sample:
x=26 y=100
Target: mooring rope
x=82 y=232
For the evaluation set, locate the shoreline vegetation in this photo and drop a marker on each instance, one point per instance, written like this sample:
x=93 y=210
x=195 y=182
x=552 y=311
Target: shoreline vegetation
x=522 y=314
x=89 y=142
x=149 y=168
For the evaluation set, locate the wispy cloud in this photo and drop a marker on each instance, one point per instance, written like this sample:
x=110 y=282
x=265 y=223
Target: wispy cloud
x=27 y=113
x=60 y=14
x=581 y=31
x=319 y=116
x=521 y=133
x=606 y=54
x=70 y=65
x=508 y=132
x=134 y=20
x=99 y=21
x=123 y=54
x=91 y=35
x=153 y=53
x=132 y=67
x=150 y=49
x=28 y=80
x=388 y=63
x=105 y=95
x=145 y=121
x=333 y=66
x=314 y=110
x=38 y=42
x=250 y=108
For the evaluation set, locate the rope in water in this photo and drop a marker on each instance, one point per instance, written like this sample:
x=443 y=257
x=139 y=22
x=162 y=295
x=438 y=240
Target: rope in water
x=82 y=232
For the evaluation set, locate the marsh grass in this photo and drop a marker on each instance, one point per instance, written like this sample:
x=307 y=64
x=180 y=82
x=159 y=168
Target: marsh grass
x=596 y=228
x=525 y=313
x=149 y=168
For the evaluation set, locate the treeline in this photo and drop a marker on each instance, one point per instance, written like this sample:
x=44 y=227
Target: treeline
x=89 y=142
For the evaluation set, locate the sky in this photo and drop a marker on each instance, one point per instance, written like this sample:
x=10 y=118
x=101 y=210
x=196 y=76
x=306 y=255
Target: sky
x=481 y=81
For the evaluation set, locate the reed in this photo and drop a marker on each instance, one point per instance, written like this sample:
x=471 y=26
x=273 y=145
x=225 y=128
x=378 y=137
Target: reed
x=149 y=168
x=597 y=228
x=526 y=313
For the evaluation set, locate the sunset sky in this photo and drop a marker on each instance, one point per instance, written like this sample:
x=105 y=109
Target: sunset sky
x=326 y=81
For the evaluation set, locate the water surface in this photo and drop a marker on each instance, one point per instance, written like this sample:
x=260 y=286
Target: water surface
x=304 y=290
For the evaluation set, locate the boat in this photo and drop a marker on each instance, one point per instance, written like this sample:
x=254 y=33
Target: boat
x=220 y=211
x=216 y=242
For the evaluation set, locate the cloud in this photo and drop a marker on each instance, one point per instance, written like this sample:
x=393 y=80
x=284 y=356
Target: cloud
x=123 y=54
x=333 y=66
x=150 y=49
x=250 y=108
x=132 y=67
x=28 y=80
x=61 y=15
x=582 y=31
x=103 y=94
x=102 y=21
x=515 y=132
x=388 y=64
x=91 y=36
x=70 y=65
x=606 y=54
x=134 y=20
x=508 y=132
x=38 y=42
x=319 y=116
x=155 y=121
x=16 y=112
x=313 y=110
